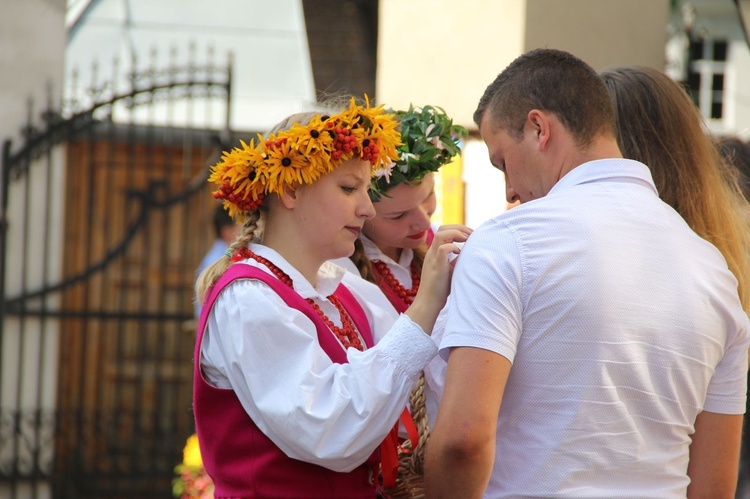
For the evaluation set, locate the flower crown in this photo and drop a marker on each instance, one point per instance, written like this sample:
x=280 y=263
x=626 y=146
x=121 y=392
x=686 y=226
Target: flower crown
x=302 y=154
x=429 y=140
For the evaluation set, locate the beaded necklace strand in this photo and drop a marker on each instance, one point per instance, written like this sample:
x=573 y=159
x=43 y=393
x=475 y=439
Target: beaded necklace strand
x=347 y=334
x=387 y=277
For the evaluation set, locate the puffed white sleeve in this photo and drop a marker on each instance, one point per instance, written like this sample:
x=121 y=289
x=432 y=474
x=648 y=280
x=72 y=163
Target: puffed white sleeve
x=332 y=415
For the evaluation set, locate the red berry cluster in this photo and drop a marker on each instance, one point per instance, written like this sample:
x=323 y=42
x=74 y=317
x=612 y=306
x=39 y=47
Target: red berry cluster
x=225 y=193
x=271 y=144
x=344 y=141
x=370 y=151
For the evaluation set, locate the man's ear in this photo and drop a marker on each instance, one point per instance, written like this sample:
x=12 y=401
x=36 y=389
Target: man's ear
x=289 y=197
x=539 y=124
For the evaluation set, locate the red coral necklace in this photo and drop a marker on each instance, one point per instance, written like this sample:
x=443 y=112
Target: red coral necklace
x=387 y=277
x=347 y=334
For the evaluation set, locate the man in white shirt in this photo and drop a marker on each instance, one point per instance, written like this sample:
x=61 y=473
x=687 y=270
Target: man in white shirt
x=596 y=346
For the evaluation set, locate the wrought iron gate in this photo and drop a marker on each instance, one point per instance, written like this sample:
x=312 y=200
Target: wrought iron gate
x=104 y=216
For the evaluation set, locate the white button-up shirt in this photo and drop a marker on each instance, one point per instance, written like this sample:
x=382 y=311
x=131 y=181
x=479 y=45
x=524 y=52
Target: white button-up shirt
x=622 y=325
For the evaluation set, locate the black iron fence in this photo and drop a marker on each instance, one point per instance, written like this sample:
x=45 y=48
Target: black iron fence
x=104 y=215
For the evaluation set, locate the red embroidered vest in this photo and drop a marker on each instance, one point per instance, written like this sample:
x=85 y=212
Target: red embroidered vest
x=240 y=459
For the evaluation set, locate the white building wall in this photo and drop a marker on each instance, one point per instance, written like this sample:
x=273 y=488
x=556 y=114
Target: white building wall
x=604 y=33
x=445 y=53
x=738 y=91
x=32 y=42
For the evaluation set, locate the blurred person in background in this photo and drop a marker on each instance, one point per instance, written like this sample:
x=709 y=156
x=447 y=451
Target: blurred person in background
x=737 y=153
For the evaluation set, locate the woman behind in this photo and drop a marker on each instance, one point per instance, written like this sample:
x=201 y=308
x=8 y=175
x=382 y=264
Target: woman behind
x=296 y=384
x=390 y=250
x=392 y=245
x=659 y=125
x=737 y=153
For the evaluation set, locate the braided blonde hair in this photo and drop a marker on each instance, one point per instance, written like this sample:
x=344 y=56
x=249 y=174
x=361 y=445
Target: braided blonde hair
x=361 y=261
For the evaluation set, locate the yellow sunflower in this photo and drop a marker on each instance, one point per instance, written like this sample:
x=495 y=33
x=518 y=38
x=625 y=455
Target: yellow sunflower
x=383 y=129
x=241 y=176
x=313 y=142
x=283 y=161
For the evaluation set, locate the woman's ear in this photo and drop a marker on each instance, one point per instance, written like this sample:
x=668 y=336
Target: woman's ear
x=289 y=197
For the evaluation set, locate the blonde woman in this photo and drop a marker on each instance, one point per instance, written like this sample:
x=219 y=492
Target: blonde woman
x=298 y=389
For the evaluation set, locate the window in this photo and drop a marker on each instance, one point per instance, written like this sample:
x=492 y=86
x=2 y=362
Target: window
x=705 y=76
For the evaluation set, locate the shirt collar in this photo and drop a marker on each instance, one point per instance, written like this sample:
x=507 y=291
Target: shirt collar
x=372 y=252
x=329 y=274
x=611 y=169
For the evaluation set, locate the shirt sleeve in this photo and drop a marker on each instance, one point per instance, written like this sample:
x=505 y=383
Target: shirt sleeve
x=727 y=390
x=484 y=309
x=332 y=415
